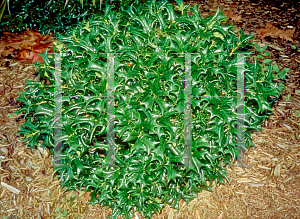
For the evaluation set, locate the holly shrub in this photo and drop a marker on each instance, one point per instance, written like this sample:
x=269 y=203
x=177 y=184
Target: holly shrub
x=146 y=44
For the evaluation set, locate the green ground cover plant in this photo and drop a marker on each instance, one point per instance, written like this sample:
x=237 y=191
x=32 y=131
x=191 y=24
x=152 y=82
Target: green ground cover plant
x=145 y=47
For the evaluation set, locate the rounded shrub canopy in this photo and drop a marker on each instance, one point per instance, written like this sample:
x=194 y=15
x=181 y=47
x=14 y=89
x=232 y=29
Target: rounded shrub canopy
x=145 y=47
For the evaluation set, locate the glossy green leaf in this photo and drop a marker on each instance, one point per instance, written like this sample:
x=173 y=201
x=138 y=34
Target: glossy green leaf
x=276 y=69
x=267 y=60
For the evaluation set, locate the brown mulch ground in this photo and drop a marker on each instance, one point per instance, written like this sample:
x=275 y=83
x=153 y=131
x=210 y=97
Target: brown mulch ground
x=28 y=189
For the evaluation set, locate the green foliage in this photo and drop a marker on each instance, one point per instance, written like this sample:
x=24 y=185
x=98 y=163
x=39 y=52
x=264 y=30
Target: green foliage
x=2 y=8
x=49 y=16
x=149 y=43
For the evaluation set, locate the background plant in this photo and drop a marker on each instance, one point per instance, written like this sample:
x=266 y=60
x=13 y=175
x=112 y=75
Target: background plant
x=49 y=16
x=2 y=8
x=149 y=97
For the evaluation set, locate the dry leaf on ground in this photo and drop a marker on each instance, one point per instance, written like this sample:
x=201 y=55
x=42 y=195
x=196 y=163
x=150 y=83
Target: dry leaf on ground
x=27 y=45
x=231 y=15
x=273 y=31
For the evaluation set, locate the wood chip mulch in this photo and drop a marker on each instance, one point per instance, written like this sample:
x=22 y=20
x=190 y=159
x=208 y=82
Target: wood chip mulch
x=268 y=190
